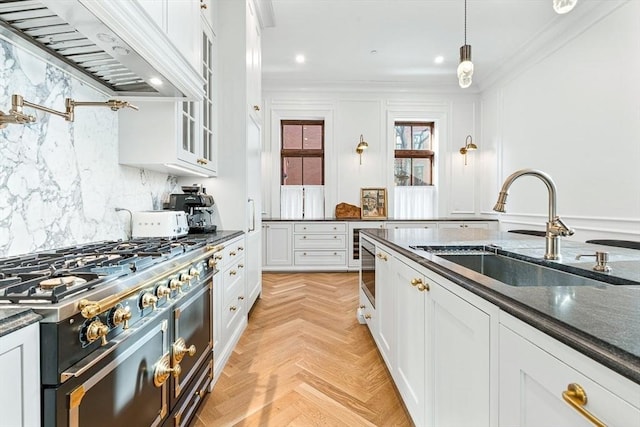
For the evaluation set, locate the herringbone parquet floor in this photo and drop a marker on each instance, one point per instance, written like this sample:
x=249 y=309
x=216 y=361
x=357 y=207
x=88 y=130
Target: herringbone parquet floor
x=304 y=360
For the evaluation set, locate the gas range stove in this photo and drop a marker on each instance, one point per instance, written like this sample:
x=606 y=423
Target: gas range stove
x=52 y=282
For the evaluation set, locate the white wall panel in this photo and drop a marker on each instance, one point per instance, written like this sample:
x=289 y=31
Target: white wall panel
x=575 y=114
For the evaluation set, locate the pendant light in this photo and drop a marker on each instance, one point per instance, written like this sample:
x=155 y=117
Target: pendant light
x=465 y=68
x=564 y=6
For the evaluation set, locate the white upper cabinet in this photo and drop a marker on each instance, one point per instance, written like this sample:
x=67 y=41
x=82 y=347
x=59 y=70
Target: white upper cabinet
x=179 y=19
x=177 y=138
x=254 y=63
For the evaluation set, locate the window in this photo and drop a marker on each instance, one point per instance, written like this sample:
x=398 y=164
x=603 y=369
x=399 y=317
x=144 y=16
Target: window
x=302 y=154
x=413 y=163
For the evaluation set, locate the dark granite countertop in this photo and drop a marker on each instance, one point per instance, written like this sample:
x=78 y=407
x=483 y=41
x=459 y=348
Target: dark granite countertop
x=220 y=236
x=12 y=319
x=475 y=218
x=602 y=322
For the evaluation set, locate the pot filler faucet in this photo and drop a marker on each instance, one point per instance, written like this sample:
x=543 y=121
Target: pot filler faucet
x=555 y=226
x=17 y=116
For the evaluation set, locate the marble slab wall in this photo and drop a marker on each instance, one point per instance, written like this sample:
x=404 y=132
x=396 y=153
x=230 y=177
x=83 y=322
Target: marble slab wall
x=60 y=182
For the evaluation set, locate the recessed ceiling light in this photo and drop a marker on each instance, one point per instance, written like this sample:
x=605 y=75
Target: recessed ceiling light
x=155 y=81
x=439 y=59
x=300 y=59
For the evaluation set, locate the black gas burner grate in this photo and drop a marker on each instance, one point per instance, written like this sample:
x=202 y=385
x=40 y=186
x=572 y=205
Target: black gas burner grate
x=51 y=276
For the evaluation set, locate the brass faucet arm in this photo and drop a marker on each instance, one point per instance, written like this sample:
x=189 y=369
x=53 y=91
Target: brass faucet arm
x=114 y=104
x=18 y=102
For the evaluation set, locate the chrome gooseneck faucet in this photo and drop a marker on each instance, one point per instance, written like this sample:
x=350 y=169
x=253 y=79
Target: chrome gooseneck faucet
x=555 y=226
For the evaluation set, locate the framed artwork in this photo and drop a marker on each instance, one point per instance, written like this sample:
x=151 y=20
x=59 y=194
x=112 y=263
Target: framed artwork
x=374 y=203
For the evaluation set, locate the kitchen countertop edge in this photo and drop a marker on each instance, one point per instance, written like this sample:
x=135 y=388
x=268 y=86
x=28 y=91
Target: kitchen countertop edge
x=12 y=319
x=615 y=358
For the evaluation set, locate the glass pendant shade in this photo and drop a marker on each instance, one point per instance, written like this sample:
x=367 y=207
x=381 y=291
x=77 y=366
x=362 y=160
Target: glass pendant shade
x=564 y=6
x=465 y=68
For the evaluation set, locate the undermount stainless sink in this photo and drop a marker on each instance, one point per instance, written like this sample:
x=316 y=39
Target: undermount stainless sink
x=519 y=270
x=516 y=272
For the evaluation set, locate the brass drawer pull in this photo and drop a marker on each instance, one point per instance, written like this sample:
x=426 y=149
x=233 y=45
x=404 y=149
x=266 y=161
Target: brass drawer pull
x=575 y=396
x=233 y=273
x=367 y=316
x=233 y=308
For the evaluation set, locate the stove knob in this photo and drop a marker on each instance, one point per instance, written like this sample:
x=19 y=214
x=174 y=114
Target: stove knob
x=194 y=272
x=211 y=263
x=163 y=291
x=97 y=329
x=121 y=315
x=175 y=284
x=148 y=299
x=184 y=277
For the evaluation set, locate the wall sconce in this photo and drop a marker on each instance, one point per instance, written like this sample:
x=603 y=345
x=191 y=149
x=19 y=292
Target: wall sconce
x=468 y=146
x=362 y=145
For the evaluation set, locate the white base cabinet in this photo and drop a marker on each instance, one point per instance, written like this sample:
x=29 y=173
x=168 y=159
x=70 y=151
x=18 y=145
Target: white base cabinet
x=230 y=307
x=458 y=360
x=443 y=351
x=20 y=373
x=538 y=375
x=277 y=251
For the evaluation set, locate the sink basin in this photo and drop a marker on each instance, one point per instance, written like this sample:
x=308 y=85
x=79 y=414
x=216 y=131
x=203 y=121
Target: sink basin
x=516 y=272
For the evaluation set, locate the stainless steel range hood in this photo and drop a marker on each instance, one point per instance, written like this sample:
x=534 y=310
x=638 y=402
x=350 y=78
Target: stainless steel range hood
x=113 y=45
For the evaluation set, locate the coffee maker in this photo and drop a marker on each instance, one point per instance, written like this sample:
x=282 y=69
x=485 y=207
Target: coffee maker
x=198 y=205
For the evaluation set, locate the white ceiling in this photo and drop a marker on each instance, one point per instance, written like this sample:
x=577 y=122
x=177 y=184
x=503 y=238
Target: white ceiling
x=337 y=38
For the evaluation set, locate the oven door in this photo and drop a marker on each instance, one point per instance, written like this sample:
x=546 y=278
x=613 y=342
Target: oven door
x=368 y=270
x=115 y=385
x=192 y=340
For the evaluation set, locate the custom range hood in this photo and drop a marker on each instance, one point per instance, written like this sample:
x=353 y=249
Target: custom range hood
x=112 y=44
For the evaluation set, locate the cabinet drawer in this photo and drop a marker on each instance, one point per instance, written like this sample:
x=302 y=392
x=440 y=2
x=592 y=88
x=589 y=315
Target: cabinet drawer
x=322 y=227
x=320 y=258
x=233 y=282
x=320 y=241
x=532 y=383
x=232 y=315
x=232 y=251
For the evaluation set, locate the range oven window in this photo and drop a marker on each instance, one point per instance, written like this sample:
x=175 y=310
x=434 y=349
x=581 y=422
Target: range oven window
x=368 y=270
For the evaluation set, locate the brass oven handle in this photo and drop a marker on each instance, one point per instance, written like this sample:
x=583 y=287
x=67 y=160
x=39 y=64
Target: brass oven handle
x=576 y=397
x=180 y=349
x=90 y=309
x=164 y=369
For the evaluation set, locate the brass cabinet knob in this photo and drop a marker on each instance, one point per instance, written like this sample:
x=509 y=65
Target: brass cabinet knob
x=240 y=265
x=97 y=329
x=180 y=350
x=256 y=107
x=164 y=369
x=240 y=298
x=367 y=316
x=241 y=248
x=416 y=281
x=423 y=287
x=217 y=257
x=233 y=308
x=233 y=273
x=361 y=307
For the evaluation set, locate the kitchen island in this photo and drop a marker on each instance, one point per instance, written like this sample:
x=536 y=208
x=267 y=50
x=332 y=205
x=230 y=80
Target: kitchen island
x=520 y=333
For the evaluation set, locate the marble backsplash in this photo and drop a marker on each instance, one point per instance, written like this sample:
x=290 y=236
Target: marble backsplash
x=60 y=182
